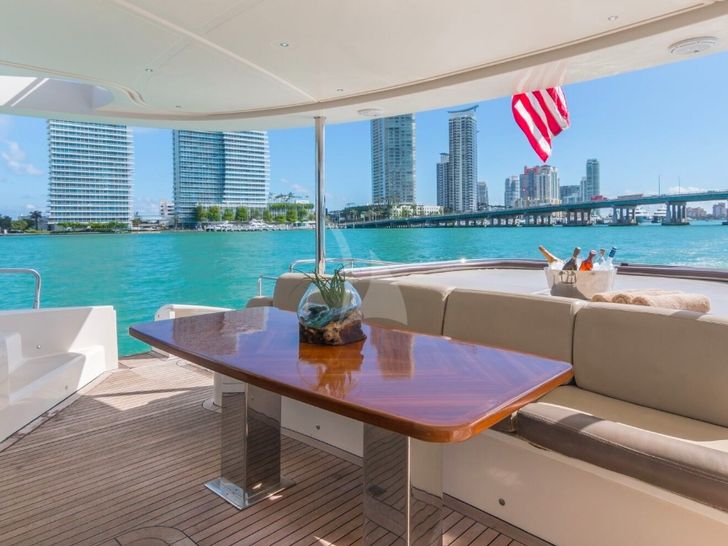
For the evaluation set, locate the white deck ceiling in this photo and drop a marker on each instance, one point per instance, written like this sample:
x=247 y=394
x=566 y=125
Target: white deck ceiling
x=219 y=64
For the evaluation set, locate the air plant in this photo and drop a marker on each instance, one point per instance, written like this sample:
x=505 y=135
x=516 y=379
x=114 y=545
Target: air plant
x=332 y=288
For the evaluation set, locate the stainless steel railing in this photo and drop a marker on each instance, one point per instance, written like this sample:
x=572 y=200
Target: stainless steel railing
x=350 y=263
x=24 y=271
x=262 y=278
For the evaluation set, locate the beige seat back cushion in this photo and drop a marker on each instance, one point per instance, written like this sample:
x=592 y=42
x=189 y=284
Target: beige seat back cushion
x=674 y=361
x=540 y=325
x=399 y=304
x=289 y=290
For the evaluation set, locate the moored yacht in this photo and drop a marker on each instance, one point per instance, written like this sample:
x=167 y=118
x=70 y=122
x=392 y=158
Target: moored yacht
x=569 y=422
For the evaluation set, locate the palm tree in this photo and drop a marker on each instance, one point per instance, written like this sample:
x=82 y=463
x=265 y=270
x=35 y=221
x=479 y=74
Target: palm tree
x=36 y=215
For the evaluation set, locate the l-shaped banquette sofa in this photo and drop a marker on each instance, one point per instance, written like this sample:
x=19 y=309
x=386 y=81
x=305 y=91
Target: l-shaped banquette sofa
x=649 y=399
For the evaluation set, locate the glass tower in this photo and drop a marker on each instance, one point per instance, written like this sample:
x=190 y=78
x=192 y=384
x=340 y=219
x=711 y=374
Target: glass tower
x=91 y=166
x=463 y=160
x=393 y=160
x=591 y=183
x=228 y=169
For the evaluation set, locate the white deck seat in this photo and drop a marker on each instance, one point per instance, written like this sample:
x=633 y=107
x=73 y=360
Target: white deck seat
x=47 y=355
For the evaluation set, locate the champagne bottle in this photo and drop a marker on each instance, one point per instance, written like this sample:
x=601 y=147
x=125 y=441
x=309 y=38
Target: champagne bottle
x=571 y=264
x=588 y=264
x=553 y=261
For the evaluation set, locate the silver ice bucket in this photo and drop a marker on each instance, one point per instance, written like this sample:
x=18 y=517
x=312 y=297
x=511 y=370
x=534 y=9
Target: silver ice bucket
x=579 y=284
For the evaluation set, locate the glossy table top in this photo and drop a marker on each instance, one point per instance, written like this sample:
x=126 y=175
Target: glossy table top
x=427 y=387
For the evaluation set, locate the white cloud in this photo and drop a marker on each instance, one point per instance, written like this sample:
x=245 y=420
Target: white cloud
x=686 y=189
x=31 y=207
x=296 y=188
x=14 y=158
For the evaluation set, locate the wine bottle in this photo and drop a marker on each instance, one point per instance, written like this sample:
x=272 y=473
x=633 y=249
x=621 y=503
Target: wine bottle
x=601 y=262
x=588 y=264
x=610 y=258
x=571 y=264
x=553 y=261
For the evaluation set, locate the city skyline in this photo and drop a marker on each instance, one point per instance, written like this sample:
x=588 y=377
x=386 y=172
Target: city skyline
x=618 y=119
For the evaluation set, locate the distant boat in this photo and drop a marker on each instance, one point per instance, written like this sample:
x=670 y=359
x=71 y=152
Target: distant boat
x=642 y=215
x=659 y=215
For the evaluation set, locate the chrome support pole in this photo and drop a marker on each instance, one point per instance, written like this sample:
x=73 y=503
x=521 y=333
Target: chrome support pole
x=251 y=445
x=320 y=196
x=402 y=489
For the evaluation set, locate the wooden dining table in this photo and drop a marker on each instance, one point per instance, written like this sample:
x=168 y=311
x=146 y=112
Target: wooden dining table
x=413 y=392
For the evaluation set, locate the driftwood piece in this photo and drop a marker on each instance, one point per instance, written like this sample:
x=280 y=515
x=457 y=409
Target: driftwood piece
x=339 y=332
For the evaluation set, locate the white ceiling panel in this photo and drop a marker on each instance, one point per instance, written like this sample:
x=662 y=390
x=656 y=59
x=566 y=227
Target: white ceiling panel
x=222 y=63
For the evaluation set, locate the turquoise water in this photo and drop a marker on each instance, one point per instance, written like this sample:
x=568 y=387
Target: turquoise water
x=137 y=274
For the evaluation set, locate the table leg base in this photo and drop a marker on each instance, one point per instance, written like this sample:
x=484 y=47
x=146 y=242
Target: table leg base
x=240 y=498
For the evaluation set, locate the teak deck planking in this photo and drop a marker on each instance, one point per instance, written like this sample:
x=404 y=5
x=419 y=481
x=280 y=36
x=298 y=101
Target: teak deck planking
x=127 y=460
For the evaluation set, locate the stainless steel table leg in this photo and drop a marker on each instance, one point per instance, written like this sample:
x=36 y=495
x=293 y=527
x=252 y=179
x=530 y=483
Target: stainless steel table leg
x=402 y=489
x=251 y=446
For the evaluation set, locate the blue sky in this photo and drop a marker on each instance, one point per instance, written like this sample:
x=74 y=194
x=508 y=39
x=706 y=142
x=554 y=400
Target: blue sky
x=669 y=121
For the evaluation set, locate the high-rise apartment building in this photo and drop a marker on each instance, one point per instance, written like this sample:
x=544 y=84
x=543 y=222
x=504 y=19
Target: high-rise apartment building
x=591 y=186
x=463 y=161
x=91 y=167
x=443 y=181
x=227 y=169
x=393 y=160
x=540 y=185
x=570 y=193
x=482 y=195
x=719 y=211
x=512 y=195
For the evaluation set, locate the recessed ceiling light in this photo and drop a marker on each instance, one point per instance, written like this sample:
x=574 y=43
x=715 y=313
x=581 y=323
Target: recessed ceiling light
x=178 y=106
x=148 y=69
x=612 y=18
x=691 y=46
x=340 y=90
x=284 y=44
x=370 y=112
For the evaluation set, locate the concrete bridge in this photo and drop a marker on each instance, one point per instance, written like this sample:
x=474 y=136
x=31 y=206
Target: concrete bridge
x=574 y=214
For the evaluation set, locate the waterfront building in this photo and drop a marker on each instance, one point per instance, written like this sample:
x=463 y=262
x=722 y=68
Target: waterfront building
x=540 y=185
x=591 y=184
x=393 y=160
x=482 y=195
x=443 y=181
x=570 y=193
x=166 y=209
x=463 y=161
x=696 y=213
x=512 y=194
x=227 y=169
x=719 y=210
x=91 y=167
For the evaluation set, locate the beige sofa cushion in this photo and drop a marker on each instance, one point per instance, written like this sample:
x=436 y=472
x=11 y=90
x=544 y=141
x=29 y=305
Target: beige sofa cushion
x=541 y=325
x=289 y=290
x=676 y=453
x=399 y=304
x=673 y=361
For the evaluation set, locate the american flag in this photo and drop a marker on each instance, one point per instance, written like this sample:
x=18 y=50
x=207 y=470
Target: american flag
x=541 y=115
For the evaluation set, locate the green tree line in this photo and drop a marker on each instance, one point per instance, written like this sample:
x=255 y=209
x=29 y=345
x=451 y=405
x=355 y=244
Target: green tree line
x=275 y=212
